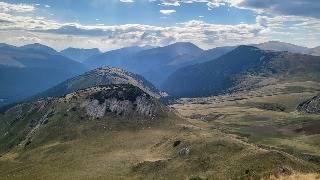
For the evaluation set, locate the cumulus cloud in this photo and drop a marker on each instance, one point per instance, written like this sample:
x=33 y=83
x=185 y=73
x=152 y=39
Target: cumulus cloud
x=17 y=29
x=199 y=32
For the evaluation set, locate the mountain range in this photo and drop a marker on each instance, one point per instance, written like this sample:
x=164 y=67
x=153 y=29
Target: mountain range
x=260 y=120
x=154 y=64
x=31 y=69
x=241 y=69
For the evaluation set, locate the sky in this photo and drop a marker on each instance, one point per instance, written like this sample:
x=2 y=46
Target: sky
x=112 y=24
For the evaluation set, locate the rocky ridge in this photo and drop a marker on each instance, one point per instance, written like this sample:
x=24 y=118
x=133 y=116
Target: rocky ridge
x=100 y=77
x=120 y=99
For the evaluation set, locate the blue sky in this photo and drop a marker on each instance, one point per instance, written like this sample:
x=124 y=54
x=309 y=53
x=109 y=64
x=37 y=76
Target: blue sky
x=111 y=24
x=115 y=12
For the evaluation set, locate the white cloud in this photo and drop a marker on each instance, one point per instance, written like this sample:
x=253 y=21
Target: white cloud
x=21 y=29
x=307 y=8
x=15 y=8
x=127 y=1
x=210 y=3
x=167 y=11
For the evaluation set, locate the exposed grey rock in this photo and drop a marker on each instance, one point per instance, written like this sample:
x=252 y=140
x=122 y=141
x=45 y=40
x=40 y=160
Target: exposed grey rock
x=94 y=108
x=36 y=125
x=119 y=107
x=145 y=106
x=142 y=106
x=184 y=151
x=121 y=100
x=311 y=106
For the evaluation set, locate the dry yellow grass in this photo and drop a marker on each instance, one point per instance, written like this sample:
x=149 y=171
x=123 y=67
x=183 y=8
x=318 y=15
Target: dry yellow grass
x=95 y=152
x=310 y=176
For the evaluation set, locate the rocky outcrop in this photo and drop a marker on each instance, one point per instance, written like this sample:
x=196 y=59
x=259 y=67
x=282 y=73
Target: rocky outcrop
x=121 y=100
x=311 y=106
x=109 y=107
x=94 y=108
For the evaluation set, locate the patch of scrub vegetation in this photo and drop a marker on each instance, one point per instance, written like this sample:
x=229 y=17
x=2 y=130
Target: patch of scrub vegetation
x=268 y=106
x=123 y=92
x=298 y=89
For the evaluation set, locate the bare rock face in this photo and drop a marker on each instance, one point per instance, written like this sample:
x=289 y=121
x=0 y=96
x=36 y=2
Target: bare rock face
x=94 y=109
x=311 y=106
x=145 y=107
x=119 y=107
x=120 y=99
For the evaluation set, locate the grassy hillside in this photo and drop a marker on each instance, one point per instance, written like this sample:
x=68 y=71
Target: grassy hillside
x=266 y=117
x=64 y=138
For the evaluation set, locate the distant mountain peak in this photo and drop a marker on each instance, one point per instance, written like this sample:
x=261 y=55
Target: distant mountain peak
x=184 y=45
x=282 y=46
x=35 y=45
x=80 y=54
x=40 y=47
x=178 y=48
x=246 y=47
x=82 y=48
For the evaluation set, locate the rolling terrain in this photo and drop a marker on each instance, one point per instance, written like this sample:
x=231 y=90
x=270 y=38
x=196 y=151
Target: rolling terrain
x=121 y=132
x=274 y=117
